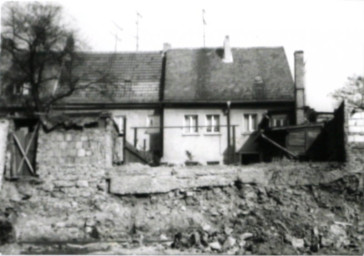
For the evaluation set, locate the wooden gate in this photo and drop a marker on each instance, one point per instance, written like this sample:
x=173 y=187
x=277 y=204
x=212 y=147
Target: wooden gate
x=23 y=148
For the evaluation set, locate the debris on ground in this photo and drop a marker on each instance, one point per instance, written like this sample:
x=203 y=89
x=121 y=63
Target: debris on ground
x=241 y=218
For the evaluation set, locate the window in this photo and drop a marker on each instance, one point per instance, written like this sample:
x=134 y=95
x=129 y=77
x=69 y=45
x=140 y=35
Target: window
x=152 y=121
x=250 y=122
x=212 y=123
x=190 y=124
x=128 y=84
x=279 y=120
x=258 y=87
x=26 y=88
x=23 y=89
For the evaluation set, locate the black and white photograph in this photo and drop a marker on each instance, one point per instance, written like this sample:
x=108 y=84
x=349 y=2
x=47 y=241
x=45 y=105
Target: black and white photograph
x=169 y=127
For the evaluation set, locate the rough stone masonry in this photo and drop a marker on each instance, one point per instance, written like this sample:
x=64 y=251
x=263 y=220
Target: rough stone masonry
x=75 y=147
x=80 y=196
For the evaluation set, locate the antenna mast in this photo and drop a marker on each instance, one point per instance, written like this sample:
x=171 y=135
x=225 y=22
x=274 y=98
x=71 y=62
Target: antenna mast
x=137 y=30
x=117 y=38
x=204 y=27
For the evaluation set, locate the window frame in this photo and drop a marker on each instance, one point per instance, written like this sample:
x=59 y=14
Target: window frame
x=281 y=119
x=190 y=128
x=251 y=129
x=128 y=83
x=213 y=124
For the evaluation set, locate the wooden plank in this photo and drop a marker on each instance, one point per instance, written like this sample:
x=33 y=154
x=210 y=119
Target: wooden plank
x=278 y=146
x=296 y=138
x=28 y=147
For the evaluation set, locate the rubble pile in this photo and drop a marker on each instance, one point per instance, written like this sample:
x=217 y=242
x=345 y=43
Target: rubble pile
x=297 y=211
x=278 y=220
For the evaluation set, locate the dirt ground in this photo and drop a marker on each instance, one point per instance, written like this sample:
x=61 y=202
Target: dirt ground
x=324 y=218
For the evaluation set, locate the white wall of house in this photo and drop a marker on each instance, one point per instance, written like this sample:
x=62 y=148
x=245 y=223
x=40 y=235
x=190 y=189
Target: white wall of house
x=356 y=127
x=203 y=146
x=237 y=118
x=138 y=118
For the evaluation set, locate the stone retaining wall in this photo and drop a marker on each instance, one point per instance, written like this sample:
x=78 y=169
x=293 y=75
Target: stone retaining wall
x=138 y=179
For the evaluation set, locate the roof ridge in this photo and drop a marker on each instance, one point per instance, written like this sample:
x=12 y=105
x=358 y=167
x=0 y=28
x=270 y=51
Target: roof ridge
x=220 y=47
x=118 y=53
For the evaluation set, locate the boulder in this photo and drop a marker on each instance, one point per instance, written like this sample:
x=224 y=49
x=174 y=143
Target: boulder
x=215 y=246
x=228 y=230
x=246 y=236
x=297 y=242
x=82 y=183
x=229 y=243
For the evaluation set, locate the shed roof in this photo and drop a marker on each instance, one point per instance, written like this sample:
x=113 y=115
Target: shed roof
x=256 y=75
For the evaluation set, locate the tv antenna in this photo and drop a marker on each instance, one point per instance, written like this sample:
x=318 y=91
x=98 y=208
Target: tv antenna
x=116 y=35
x=204 y=27
x=138 y=16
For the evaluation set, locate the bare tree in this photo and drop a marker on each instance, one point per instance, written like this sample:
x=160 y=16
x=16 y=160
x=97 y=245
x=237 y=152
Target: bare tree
x=352 y=92
x=40 y=56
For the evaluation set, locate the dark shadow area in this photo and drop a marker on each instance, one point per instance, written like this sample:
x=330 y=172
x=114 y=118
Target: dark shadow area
x=250 y=158
x=220 y=52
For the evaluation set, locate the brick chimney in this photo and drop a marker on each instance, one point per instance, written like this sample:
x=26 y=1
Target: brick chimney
x=166 y=48
x=299 y=77
x=228 y=56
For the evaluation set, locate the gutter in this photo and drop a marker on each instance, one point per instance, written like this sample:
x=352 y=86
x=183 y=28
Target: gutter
x=300 y=126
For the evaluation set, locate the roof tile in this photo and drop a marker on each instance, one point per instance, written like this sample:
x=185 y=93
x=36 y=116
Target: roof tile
x=194 y=75
x=140 y=70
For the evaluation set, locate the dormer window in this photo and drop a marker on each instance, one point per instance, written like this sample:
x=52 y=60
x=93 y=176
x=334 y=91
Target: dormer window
x=258 y=80
x=127 y=82
x=279 y=120
x=259 y=87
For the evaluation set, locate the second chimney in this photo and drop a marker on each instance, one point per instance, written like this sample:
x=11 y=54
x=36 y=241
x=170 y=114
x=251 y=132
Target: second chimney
x=299 y=77
x=228 y=56
x=166 y=47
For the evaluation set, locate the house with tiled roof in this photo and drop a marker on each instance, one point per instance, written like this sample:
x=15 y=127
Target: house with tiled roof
x=216 y=100
x=204 y=105
x=132 y=99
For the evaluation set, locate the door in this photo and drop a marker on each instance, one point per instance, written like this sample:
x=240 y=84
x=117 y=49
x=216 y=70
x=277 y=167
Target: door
x=23 y=147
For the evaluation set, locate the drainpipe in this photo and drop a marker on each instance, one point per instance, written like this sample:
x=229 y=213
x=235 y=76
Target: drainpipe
x=135 y=136
x=228 y=103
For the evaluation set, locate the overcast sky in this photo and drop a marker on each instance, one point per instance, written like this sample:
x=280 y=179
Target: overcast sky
x=331 y=33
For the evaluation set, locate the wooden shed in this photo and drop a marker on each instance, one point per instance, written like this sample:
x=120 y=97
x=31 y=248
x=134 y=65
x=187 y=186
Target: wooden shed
x=305 y=141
